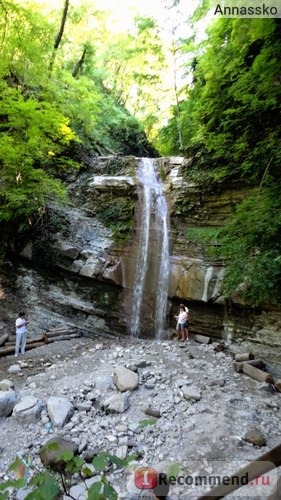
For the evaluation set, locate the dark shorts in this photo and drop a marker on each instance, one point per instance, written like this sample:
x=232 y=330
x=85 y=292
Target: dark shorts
x=182 y=326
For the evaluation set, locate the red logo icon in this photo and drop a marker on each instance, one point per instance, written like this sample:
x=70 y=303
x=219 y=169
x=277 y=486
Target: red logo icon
x=145 y=478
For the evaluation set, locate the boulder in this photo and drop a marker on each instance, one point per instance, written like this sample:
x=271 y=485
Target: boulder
x=60 y=410
x=28 y=410
x=51 y=452
x=125 y=380
x=67 y=249
x=121 y=183
x=256 y=437
x=8 y=400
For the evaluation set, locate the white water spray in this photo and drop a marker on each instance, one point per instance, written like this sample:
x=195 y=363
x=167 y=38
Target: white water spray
x=154 y=227
x=207 y=278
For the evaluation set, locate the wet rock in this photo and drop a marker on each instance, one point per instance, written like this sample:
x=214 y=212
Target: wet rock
x=125 y=379
x=256 y=437
x=8 y=400
x=51 y=452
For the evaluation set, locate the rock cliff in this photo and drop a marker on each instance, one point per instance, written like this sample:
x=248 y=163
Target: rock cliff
x=87 y=276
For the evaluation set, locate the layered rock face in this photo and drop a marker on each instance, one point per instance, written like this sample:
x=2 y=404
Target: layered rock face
x=96 y=248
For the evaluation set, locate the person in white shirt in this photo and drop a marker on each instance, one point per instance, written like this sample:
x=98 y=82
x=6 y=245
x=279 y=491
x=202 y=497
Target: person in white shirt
x=21 y=323
x=182 y=323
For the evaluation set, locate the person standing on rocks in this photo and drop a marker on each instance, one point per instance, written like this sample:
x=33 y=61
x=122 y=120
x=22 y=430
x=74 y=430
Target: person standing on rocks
x=187 y=320
x=21 y=323
x=182 y=324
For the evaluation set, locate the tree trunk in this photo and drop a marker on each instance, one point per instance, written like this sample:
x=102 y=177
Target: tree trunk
x=79 y=63
x=258 y=363
x=244 y=356
x=257 y=374
x=64 y=337
x=59 y=35
x=4 y=338
x=254 y=469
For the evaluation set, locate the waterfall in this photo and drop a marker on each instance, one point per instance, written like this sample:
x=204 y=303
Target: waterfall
x=152 y=271
x=220 y=276
x=207 y=278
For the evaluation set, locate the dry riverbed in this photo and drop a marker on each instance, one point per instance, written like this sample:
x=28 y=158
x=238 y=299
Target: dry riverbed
x=206 y=410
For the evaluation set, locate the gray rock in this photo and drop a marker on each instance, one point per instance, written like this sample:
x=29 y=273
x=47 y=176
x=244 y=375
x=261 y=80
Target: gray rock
x=22 y=493
x=83 y=405
x=122 y=451
x=67 y=249
x=6 y=385
x=8 y=400
x=77 y=491
x=91 y=268
x=125 y=379
x=117 y=403
x=152 y=412
x=60 y=410
x=120 y=182
x=190 y=392
x=149 y=385
x=28 y=410
x=256 y=437
x=14 y=369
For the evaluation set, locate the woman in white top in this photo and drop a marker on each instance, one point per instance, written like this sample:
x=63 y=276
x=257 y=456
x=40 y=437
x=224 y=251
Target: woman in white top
x=182 y=323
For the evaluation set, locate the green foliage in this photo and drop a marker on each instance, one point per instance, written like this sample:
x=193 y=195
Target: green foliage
x=231 y=126
x=52 y=120
x=251 y=245
x=203 y=235
x=173 y=470
x=147 y=421
x=48 y=485
x=42 y=234
x=118 y=215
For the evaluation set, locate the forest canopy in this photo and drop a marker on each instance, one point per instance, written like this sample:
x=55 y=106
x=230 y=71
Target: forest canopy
x=228 y=121
x=71 y=89
x=64 y=81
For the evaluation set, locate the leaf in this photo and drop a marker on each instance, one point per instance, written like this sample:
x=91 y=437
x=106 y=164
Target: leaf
x=94 y=492
x=48 y=490
x=110 y=492
x=173 y=470
x=12 y=483
x=100 y=461
x=66 y=455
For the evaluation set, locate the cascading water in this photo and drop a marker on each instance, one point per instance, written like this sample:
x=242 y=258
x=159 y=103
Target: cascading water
x=152 y=271
x=207 y=279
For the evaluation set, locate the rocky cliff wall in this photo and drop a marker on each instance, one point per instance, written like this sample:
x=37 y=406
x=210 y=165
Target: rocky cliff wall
x=92 y=277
